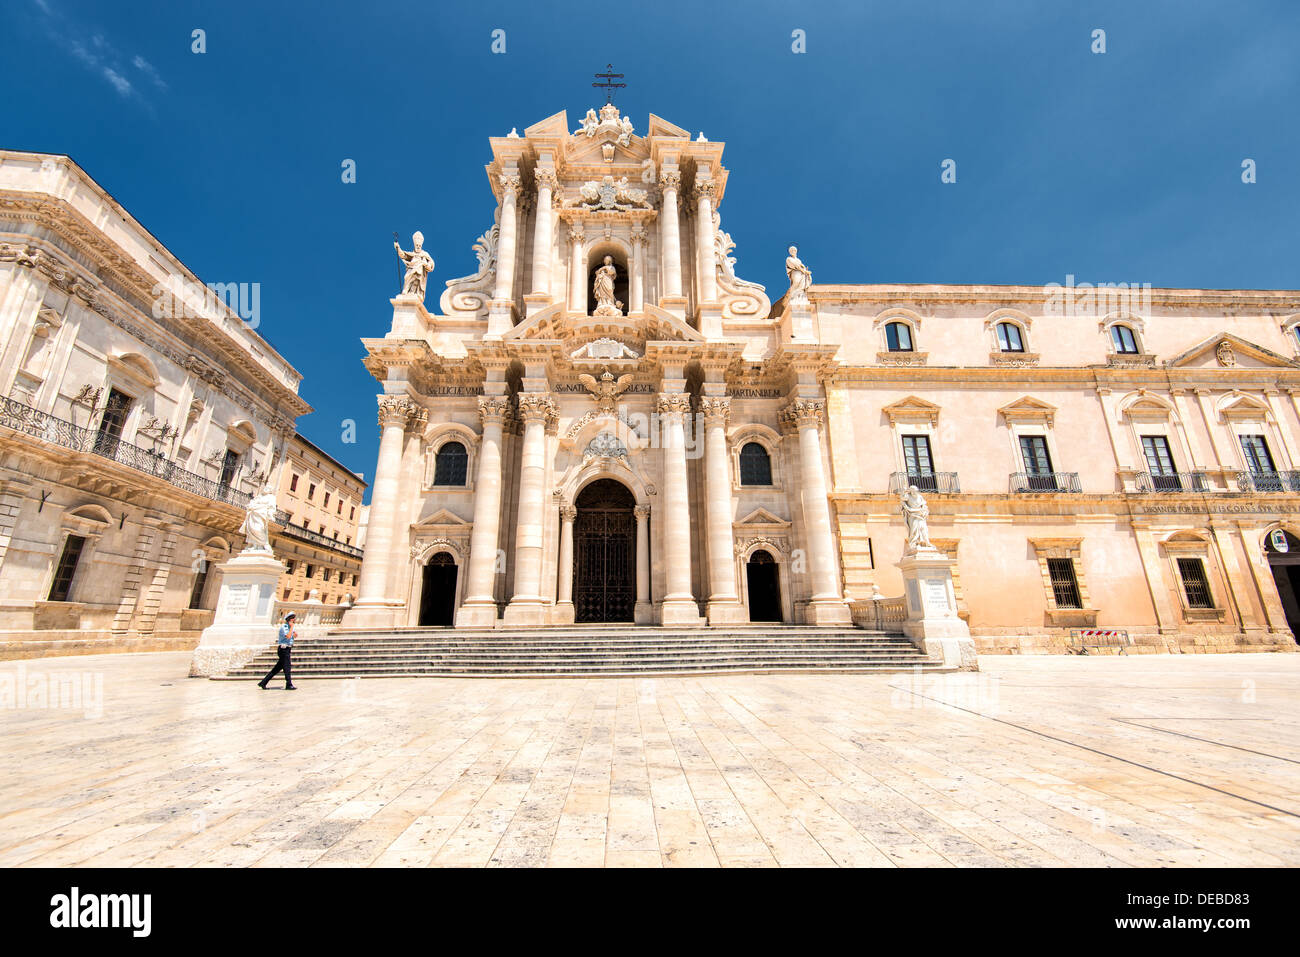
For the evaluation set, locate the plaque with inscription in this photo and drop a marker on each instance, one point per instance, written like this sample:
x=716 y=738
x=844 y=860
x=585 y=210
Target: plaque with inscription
x=237 y=598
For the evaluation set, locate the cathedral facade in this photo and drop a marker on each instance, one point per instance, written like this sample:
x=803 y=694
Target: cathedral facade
x=605 y=423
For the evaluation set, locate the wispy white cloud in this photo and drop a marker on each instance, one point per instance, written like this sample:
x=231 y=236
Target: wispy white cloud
x=95 y=52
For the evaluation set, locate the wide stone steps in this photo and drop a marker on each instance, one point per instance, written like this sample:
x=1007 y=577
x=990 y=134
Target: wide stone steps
x=590 y=652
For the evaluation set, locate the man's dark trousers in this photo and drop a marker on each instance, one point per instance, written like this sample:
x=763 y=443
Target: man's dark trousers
x=283 y=653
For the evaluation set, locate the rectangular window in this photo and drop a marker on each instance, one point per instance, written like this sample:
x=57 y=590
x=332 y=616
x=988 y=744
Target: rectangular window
x=1009 y=338
x=326 y=503
x=1065 y=587
x=1160 y=463
x=200 y=585
x=1195 y=584
x=339 y=510
x=116 y=408
x=898 y=337
x=67 y=568
x=352 y=513
x=311 y=570
x=311 y=491
x=290 y=565
x=917 y=462
x=293 y=482
x=1038 y=463
x=1257 y=455
x=229 y=464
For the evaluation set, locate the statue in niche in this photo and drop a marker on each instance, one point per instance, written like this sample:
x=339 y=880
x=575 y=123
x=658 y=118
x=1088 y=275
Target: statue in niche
x=800 y=278
x=917 y=515
x=418 y=266
x=258 y=516
x=606 y=304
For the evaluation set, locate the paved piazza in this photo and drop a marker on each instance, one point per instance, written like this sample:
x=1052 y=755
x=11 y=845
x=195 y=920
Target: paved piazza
x=1141 y=761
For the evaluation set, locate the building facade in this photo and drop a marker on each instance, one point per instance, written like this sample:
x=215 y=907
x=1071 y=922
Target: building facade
x=318 y=538
x=605 y=423
x=139 y=413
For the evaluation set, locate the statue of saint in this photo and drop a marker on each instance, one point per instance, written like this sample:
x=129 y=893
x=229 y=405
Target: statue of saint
x=418 y=266
x=606 y=304
x=800 y=278
x=917 y=515
x=258 y=517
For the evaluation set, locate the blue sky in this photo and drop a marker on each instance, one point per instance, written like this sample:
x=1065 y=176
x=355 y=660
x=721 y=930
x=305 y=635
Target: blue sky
x=1114 y=167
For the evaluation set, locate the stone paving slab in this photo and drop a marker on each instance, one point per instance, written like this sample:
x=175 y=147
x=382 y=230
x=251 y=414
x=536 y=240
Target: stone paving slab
x=120 y=760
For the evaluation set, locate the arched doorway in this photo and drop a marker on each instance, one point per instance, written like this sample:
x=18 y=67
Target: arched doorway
x=1285 y=565
x=604 y=553
x=764 y=585
x=438 y=596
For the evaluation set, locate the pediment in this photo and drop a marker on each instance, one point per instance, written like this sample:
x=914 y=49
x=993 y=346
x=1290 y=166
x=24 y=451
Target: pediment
x=761 y=516
x=1228 y=351
x=1028 y=408
x=442 y=518
x=557 y=124
x=1242 y=406
x=658 y=126
x=587 y=152
x=912 y=408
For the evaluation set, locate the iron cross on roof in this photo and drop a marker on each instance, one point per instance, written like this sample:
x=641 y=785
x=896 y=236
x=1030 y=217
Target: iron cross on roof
x=609 y=85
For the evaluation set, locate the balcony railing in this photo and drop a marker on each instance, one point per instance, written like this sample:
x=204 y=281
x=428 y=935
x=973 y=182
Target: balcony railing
x=924 y=481
x=1045 y=482
x=1268 y=481
x=1174 y=482
x=307 y=535
x=42 y=425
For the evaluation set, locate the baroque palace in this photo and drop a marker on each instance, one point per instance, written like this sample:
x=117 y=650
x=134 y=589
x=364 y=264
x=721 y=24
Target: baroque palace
x=139 y=413
x=605 y=423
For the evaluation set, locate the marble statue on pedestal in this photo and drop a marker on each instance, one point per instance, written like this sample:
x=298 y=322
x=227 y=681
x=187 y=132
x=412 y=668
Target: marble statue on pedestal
x=800 y=277
x=259 y=514
x=418 y=266
x=917 y=514
x=606 y=304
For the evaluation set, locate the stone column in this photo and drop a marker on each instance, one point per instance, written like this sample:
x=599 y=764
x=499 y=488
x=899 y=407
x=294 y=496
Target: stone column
x=527 y=607
x=479 y=609
x=564 y=583
x=644 y=613
x=399 y=564
x=826 y=607
x=679 y=605
x=546 y=183
x=374 y=609
x=704 y=242
x=636 y=281
x=577 y=271
x=724 y=604
x=669 y=182
x=500 y=312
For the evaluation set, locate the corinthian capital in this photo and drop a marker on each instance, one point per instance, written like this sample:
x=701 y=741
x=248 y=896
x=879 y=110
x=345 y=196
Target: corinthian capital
x=576 y=233
x=673 y=403
x=670 y=179
x=537 y=407
x=568 y=513
x=546 y=179
x=715 y=409
x=393 y=410
x=510 y=183
x=803 y=412
x=707 y=189
x=493 y=409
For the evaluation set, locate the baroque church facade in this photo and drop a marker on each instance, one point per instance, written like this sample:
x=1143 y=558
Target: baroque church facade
x=605 y=423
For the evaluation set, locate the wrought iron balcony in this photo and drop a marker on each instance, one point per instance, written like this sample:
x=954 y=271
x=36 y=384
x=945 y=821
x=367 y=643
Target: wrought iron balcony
x=944 y=482
x=1268 y=481
x=1045 y=482
x=42 y=425
x=307 y=535
x=1174 y=482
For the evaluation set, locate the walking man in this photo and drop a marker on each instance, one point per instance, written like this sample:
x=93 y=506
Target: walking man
x=284 y=648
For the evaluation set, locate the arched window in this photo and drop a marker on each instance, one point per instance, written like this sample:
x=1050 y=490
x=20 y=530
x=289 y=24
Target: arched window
x=1009 y=338
x=449 y=468
x=755 y=465
x=898 y=336
x=1123 y=338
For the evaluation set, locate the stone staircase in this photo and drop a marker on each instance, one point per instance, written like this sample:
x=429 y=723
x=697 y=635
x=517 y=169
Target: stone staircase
x=593 y=651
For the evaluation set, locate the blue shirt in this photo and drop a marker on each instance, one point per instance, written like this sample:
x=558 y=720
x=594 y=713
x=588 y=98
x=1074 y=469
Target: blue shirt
x=286 y=635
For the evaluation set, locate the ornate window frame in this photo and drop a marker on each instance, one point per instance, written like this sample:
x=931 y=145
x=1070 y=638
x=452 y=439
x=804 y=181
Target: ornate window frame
x=1147 y=413
x=435 y=439
x=913 y=415
x=1023 y=323
x=1137 y=326
x=1071 y=548
x=1246 y=414
x=90 y=520
x=1291 y=329
x=1029 y=416
x=1194 y=543
x=767 y=437
x=913 y=322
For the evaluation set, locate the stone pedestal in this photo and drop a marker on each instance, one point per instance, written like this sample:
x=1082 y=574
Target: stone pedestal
x=242 y=627
x=710 y=324
x=932 y=623
x=797 y=322
x=410 y=319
